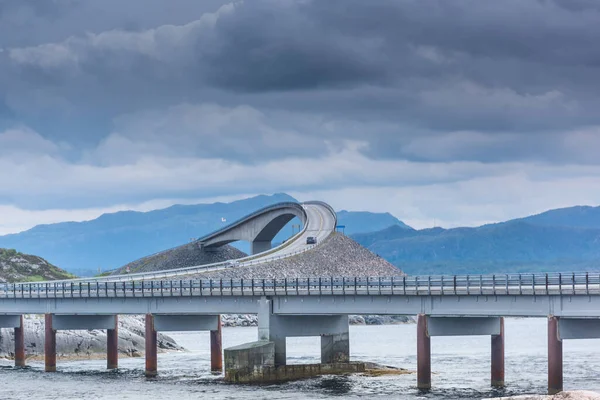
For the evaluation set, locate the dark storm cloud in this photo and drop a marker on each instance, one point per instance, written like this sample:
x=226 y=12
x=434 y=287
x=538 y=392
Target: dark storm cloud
x=419 y=80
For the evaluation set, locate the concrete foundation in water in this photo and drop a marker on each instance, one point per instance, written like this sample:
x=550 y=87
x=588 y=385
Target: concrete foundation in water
x=255 y=363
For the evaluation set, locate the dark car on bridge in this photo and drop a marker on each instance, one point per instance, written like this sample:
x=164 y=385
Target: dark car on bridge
x=311 y=240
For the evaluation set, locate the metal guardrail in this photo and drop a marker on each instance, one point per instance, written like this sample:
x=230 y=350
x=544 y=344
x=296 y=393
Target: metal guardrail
x=572 y=284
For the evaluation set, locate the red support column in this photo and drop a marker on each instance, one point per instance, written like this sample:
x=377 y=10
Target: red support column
x=151 y=347
x=498 y=357
x=50 y=345
x=112 y=346
x=20 y=345
x=216 y=349
x=423 y=354
x=555 y=357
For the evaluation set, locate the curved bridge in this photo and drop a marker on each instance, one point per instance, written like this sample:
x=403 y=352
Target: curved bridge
x=258 y=228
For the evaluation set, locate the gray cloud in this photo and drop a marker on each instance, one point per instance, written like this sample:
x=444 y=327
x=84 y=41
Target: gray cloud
x=409 y=84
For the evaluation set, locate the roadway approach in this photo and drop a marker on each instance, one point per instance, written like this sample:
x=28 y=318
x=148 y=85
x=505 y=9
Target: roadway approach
x=316 y=306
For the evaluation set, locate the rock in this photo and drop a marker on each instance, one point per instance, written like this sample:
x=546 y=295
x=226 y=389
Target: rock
x=252 y=320
x=337 y=256
x=187 y=255
x=83 y=343
x=571 y=395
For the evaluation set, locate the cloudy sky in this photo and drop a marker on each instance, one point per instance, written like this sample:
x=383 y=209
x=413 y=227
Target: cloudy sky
x=460 y=112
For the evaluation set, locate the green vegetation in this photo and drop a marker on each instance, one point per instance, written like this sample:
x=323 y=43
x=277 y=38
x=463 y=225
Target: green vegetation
x=19 y=267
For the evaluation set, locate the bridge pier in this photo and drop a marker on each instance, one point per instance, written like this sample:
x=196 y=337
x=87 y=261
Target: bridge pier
x=54 y=323
x=20 y=344
x=498 y=357
x=151 y=347
x=112 y=346
x=333 y=330
x=458 y=326
x=216 y=348
x=555 y=355
x=423 y=353
x=179 y=323
x=49 y=344
x=259 y=246
x=16 y=323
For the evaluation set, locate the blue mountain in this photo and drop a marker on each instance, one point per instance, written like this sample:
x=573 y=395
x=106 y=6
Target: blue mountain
x=558 y=240
x=115 y=239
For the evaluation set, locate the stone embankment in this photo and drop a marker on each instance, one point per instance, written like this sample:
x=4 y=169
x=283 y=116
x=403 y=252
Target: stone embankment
x=338 y=256
x=187 y=255
x=83 y=343
x=571 y=395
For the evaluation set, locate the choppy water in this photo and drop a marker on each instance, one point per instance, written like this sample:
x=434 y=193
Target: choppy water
x=460 y=367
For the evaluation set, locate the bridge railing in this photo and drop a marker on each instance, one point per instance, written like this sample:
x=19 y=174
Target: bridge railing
x=460 y=285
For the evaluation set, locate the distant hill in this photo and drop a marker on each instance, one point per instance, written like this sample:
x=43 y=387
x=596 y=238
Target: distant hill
x=362 y=221
x=113 y=240
x=19 y=267
x=557 y=240
x=573 y=217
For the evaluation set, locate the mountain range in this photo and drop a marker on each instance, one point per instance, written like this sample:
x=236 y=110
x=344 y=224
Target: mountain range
x=112 y=240
x=565 y=239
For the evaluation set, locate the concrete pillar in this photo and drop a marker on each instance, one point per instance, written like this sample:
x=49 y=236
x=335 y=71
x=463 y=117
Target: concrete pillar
x=260 y=246
x=498 y=357
x=151 y=347
x=423 y=354
x=50 y=345
x=280 y=351
x=555 y=357
x=112 y=346
x=335 y=348
x=20 y=344
x=216 y=349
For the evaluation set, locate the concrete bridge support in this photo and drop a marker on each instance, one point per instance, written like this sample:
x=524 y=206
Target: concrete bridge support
x=20 y=344
x=112 y=346
x=452 y=326
x=55 y=323
x=423 y=354
x=560 y=329
x=49 y=345
x=151 y=347
x=16 y=322
x=260 y=246
x=498 y=357
x=333 y=330
x=555 y=355
x=216 y=348
x=182 y=323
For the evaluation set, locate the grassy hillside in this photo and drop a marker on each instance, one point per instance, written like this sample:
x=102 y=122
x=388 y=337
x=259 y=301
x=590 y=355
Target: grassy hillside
x=19 y=267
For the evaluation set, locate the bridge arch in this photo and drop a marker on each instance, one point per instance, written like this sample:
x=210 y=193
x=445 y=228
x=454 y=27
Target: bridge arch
x=258 y=228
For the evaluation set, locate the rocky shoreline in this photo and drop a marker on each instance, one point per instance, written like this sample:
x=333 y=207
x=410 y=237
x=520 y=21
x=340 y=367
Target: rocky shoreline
x=83 y=344
x=233 y=320
x=570 y=395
